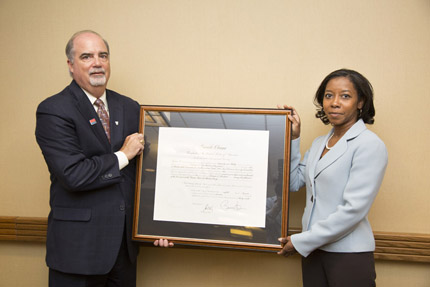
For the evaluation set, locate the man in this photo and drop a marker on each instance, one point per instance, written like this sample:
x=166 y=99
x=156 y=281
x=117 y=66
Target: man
x=90 y=149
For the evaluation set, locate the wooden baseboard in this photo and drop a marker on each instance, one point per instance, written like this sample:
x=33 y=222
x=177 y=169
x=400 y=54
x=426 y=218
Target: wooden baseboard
x=23 y=228
x=402 y=246
x=411 y=247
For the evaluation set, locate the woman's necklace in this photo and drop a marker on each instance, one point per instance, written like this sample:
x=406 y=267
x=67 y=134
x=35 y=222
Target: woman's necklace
x=326 y=144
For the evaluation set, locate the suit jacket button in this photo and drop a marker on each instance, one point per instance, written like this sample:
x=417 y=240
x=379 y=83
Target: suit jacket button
x=109 y=175
x=122 y=207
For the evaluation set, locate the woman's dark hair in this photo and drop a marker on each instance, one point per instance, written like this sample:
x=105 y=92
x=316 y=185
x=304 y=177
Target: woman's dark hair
x=364 y=91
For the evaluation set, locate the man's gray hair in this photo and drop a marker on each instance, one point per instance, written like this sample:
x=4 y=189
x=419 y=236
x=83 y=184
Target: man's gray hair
x=70 y=48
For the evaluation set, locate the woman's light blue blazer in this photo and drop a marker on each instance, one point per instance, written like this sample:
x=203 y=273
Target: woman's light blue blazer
x=340 y=189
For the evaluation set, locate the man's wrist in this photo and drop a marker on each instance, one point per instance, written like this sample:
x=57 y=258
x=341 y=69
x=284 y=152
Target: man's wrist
x=122 y=159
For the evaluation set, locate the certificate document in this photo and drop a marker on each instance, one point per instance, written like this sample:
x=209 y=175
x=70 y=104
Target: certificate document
x=212 y=176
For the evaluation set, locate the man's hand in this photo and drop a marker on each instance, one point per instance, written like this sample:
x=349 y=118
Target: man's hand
x=133 y=145
x=163 y=243
x=288 y=247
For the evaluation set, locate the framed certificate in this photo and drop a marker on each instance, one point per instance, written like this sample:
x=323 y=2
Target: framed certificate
x=213 y=176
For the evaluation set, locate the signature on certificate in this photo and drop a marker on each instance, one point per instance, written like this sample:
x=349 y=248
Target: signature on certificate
x=208 y=209
x=227 y=205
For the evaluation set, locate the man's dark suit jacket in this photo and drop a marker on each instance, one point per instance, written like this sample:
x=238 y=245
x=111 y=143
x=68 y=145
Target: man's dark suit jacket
x=91 y=199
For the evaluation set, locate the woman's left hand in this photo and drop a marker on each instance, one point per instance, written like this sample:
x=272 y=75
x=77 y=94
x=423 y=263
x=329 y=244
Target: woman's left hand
x=288 y=247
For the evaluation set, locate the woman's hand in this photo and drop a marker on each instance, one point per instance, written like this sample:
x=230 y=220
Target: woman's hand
x=288 y=247
x=295 y=120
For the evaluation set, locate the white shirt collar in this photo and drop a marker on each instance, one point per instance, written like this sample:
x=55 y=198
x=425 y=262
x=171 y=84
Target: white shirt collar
x=93 y=99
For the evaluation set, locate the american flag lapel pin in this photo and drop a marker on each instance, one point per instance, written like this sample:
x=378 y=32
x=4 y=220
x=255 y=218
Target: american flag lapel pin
x=93 y=121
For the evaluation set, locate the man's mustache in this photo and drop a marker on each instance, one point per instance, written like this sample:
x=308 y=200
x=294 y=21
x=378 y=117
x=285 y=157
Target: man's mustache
x=97 y=71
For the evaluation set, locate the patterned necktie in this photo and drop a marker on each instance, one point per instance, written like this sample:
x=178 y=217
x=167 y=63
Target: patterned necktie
x=103 y=115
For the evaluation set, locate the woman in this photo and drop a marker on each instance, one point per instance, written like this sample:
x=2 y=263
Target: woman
x=342 y=171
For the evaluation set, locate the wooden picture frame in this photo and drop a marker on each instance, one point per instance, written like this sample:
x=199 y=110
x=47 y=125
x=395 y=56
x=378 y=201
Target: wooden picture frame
x=272 y=214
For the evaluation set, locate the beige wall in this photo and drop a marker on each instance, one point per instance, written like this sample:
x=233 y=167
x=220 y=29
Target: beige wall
x=242 y=53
